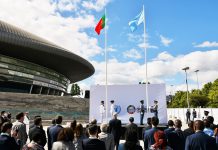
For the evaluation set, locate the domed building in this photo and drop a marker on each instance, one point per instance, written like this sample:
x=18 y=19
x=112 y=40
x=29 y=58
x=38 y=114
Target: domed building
x=30 y=64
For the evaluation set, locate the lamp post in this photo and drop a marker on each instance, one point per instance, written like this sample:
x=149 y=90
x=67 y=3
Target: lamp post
x=185 y=69
x=196 y=71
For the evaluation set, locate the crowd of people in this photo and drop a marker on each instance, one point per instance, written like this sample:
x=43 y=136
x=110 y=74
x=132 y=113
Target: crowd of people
x=200 y=135
x=14 y=136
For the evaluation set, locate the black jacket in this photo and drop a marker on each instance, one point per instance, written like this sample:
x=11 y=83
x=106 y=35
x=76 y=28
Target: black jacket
x=37 y=130
x=93 y=144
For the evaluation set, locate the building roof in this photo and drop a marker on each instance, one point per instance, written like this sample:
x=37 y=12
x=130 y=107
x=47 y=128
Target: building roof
x=17 y=43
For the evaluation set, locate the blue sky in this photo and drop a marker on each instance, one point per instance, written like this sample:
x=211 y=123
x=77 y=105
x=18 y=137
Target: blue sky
x=178 y=34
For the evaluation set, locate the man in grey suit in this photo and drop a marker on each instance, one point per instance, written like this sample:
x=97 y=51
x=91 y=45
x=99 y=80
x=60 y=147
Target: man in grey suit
x=21 y=128
x=200 y=140
x=106 y=137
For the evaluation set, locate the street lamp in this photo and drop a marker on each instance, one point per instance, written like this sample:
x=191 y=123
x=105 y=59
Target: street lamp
x=197 y=79
x=185 y=69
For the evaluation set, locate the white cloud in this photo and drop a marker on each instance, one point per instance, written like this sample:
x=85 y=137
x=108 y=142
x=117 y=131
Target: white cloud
x=135 y=37
x=165 y=41
x=147 y=45
x=111 y=49
x=46 y=22
x=165 y=68
x=140 y=40
x=164 y=56
x=132 y=53
x=67 y=5
x=207 y=44
x=96 y=5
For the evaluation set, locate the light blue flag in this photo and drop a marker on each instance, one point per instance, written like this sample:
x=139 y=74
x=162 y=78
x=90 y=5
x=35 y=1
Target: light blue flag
x=133 y=24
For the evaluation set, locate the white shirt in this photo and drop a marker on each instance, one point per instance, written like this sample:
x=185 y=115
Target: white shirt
x=102 y=109
x=26 y=120
x=112 y=108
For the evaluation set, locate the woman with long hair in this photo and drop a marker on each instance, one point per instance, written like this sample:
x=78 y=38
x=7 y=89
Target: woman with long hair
x=79 y=136
x=132 y=142
x=64 y=140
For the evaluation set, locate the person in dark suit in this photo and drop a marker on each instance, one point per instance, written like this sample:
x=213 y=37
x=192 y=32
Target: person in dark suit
x=176 y=139
x=33 y=125
x=53 y=131
x=115 y=129
x=38 y=130
x=147 y=127
x=6 y=141
x=49 y=138
x=188 y=114
x=169 y=129
x=93 y=143
x=149 y=134
x=132 y=124
x=190 y=129
x=200 y=140
x=142 y=112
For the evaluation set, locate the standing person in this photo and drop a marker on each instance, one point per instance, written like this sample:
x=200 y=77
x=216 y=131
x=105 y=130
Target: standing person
x=176 y=139
x=49 y=137
x=188 y=114
x=170 y=128
x=155 y=107
x=147 y=127
x=132 y=124
x=112 y=109
x=106 y=137
x=200 y=140
x=207 y=130
x=93 y=143
x=34 y=144
x=142 y=111
x=102 y=111
x=6 y=141
x=115 y=129
x=206 y=113
x=149 y=134
x=190 y=129
x=64 y=140
x=55 y=129
x=38 y=130
x=194 y=114
x=160 y=141
x=79 y=137
x=27 y=121
x=131 y=142
x=21 y=128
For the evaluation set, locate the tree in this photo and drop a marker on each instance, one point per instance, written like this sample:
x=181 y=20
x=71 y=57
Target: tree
x=213 y=94
x=206 y=89
x=198 y=100
x=75 y=89
x=179 y=100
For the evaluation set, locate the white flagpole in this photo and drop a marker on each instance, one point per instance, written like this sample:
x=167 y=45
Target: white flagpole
x=105 y=48
x=146 y=67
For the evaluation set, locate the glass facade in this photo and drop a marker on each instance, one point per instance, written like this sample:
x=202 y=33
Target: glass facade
x=19 y=71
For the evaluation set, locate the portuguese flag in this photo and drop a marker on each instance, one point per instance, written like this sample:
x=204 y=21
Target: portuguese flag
x=100 y=25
